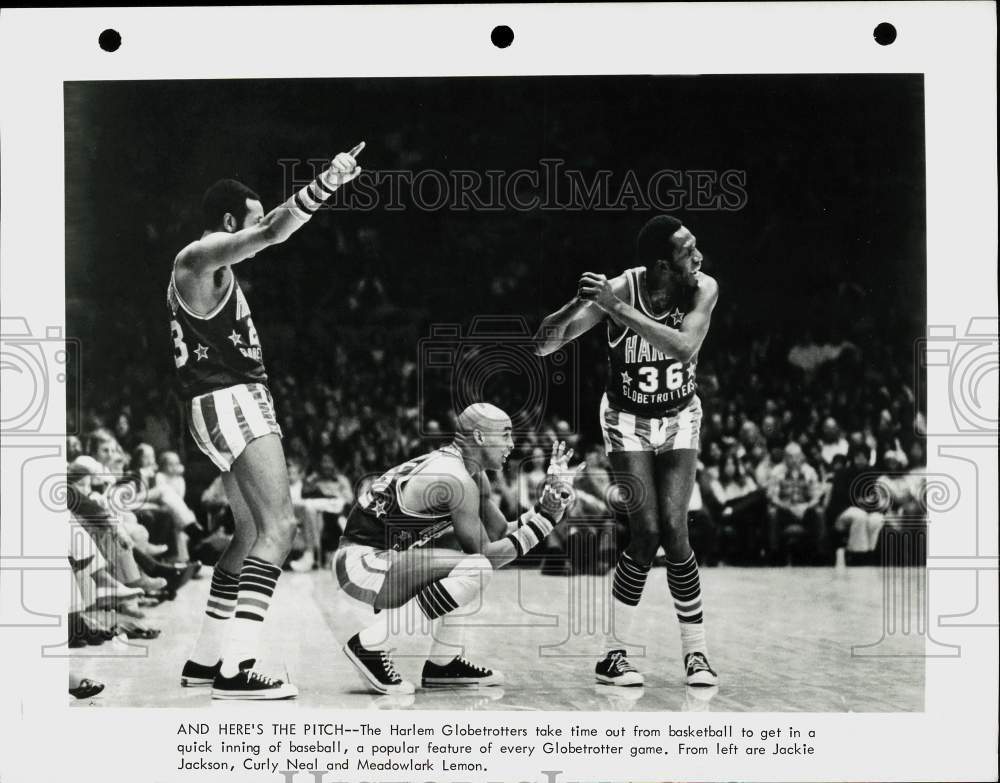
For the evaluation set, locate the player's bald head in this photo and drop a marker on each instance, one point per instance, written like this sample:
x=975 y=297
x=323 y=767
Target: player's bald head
x=483 y=417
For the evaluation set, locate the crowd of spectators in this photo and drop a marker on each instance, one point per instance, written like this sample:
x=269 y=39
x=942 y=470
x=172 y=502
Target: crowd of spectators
x=808 y=442
x=130 y=532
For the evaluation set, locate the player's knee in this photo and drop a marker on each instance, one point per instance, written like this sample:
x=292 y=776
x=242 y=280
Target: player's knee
x=645 y=541
x=280 y=529
x=476 y=568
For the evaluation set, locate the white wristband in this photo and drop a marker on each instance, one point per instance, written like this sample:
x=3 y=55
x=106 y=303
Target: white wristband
x=533 y=527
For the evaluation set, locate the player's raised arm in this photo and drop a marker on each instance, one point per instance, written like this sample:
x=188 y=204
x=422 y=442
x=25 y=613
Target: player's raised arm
x=231 y=241
x=681 y=343
x=571 y=320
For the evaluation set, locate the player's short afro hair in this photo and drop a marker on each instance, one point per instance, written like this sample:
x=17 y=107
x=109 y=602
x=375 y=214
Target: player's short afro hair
x=653 y=241
x=226 y=195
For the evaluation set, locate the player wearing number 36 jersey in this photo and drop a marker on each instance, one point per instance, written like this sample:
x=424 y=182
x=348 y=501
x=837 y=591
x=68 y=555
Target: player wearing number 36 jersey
x=657 y=316
x=221 y=375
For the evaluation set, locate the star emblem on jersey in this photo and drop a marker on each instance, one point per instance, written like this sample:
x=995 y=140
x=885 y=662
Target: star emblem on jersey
x=236 y=337
x=201 y=352
x=676 y=316
x=380 y=508
x=626 y=378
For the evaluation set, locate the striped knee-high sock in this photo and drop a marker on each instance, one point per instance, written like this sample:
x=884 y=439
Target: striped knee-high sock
x=463 y=585
x=258 y=578
x=220 y=607
x=685 y=588
x=436 y=601
x=626 y=590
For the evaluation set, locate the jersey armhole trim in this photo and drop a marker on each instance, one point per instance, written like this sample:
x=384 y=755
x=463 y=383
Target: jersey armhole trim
x=215 y=310
x=613 y=341
x=405 y=480
x=640 y=297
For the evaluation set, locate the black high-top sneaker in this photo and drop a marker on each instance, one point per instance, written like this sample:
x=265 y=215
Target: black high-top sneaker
x=250 y=684
x=615 y=669
x=458 y=673
x=198 y=675
x=698 y=670
x=376 y=669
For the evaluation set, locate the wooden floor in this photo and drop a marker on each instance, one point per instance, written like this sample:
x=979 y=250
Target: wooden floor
x=781 y=640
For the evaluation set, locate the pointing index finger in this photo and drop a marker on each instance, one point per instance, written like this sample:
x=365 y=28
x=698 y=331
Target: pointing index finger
x=356 y=149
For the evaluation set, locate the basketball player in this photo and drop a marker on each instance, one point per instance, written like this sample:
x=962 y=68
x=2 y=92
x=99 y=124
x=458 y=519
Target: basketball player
x=657 y=316
x=391 y=556
x=231 y=416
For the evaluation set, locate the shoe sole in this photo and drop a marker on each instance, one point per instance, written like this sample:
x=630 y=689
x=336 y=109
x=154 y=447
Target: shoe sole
x=369 y=681
x=461 y=682
x=195 y=682
x=274 y=694
x=617 y=681
x=703 y=680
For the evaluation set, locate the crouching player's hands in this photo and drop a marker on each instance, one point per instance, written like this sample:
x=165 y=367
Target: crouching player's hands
x=555 y=496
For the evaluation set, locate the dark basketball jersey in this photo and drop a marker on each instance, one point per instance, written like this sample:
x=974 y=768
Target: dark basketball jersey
x=215 y=350
x=642 y=379
x=380 y=520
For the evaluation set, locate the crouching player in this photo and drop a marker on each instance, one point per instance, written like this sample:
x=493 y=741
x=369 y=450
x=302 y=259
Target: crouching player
x=391 y=555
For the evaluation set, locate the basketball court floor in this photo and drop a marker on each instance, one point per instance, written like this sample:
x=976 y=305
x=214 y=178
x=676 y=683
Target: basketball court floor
x=784 y=639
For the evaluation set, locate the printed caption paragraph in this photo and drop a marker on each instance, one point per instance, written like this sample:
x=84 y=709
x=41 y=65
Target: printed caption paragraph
x=286 y=749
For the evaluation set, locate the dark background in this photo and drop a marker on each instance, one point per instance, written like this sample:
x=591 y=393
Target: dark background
x=830 y=244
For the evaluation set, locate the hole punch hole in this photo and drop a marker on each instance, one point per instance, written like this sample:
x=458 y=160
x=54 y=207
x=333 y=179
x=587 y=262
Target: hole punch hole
x=110 y=40
x=502 y=36
x=885 y=34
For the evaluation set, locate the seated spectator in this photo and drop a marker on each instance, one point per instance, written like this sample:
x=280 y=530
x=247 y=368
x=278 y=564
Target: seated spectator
x=740 y=510
x=325 y=499
x=832 y=441
x=150 y=495
x=73 y=448
x=851 y=511
x=795 y=527
x=906 y=511
x=775 y=456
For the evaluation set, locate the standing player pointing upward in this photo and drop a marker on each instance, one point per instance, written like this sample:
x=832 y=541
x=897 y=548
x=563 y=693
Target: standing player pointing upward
x=657 y=317
x=231 y=416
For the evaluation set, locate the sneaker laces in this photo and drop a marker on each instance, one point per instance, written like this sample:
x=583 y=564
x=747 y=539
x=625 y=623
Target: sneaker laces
x=697 y=662
x=263 y=679
x=477 y=669
x=388 y=666
x=620 y=663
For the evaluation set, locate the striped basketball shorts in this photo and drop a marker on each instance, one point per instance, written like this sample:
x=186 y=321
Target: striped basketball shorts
x=361 y=570
x=225 y=421
x=679 y=429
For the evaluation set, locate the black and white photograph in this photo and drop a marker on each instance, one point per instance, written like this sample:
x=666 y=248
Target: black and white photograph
x=395 y=397
x=489 y=349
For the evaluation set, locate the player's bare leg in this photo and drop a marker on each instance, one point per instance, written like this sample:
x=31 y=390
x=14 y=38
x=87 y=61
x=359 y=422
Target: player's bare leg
x=675 y=477
x=203 y=665
x=634 y=484
x=433 y=582
x=261 y=477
